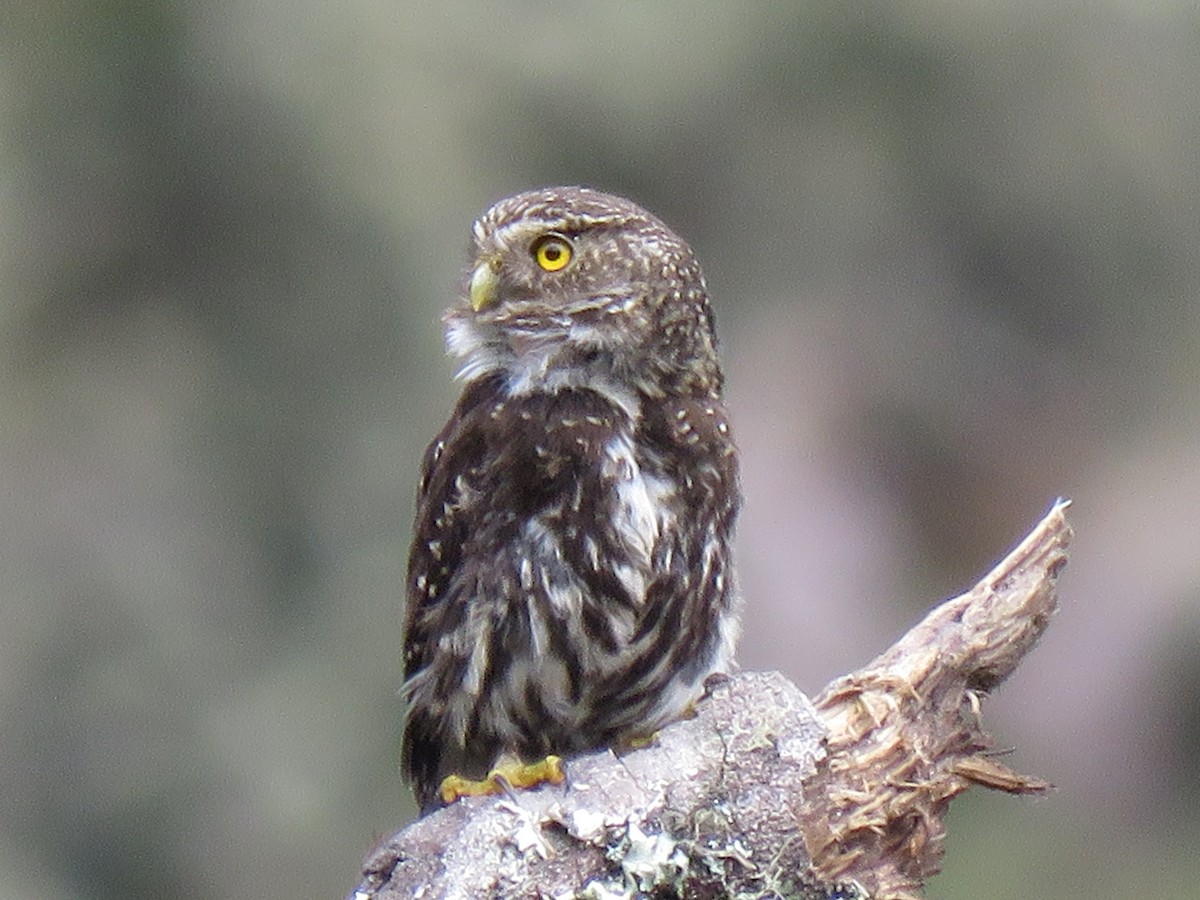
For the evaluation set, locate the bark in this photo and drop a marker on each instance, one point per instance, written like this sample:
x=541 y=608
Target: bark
x=764 y=793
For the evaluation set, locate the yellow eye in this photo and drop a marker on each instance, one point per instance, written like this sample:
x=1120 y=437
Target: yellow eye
x=552 y=252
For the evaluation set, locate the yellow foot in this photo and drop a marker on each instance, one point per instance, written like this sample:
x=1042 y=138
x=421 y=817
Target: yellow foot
x=641 y=743
x=509 y=774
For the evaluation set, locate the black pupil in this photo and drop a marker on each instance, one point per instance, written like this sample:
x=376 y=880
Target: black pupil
x=553 y=252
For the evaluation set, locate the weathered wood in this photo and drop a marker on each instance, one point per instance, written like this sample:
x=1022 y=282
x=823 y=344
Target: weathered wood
x=764 y=792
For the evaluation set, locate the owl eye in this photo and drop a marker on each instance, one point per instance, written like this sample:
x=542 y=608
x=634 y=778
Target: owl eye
x=552 y=252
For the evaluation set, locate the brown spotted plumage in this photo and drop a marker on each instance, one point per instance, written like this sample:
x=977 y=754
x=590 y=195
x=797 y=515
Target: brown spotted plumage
x=570 y=582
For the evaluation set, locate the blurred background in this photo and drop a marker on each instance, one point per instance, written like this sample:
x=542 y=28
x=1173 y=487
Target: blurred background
x=952 y=249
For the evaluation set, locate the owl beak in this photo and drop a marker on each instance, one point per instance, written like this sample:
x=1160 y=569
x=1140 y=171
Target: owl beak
x=485 y=282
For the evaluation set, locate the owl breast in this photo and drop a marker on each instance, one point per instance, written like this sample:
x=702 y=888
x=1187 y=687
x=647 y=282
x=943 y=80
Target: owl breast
x=572 y=558
x=644 y=510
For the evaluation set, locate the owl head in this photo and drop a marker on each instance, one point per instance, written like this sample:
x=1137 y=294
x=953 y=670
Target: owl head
x=571 y=287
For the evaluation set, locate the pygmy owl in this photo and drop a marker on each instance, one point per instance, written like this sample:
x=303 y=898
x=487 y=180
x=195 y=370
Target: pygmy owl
x=570 y=583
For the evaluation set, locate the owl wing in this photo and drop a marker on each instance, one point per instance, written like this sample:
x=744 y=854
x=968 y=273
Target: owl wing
x=447 y=510
x=448 y=513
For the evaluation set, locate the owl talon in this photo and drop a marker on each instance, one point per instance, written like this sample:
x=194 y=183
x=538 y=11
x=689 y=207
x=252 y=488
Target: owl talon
x=517 y=776
x=455 y=786
x=641 y=742
x=527 y=775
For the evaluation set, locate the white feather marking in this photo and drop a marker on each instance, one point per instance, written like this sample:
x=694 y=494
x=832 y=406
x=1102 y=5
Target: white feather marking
x=532 y=373
x=644 y=512
x=532 y=359
x=557 y=583
x=480 y=351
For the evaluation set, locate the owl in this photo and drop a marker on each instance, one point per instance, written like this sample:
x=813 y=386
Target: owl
x=570 y=584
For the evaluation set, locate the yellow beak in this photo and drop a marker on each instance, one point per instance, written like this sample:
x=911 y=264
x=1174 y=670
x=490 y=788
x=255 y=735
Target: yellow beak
x=485 y=281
